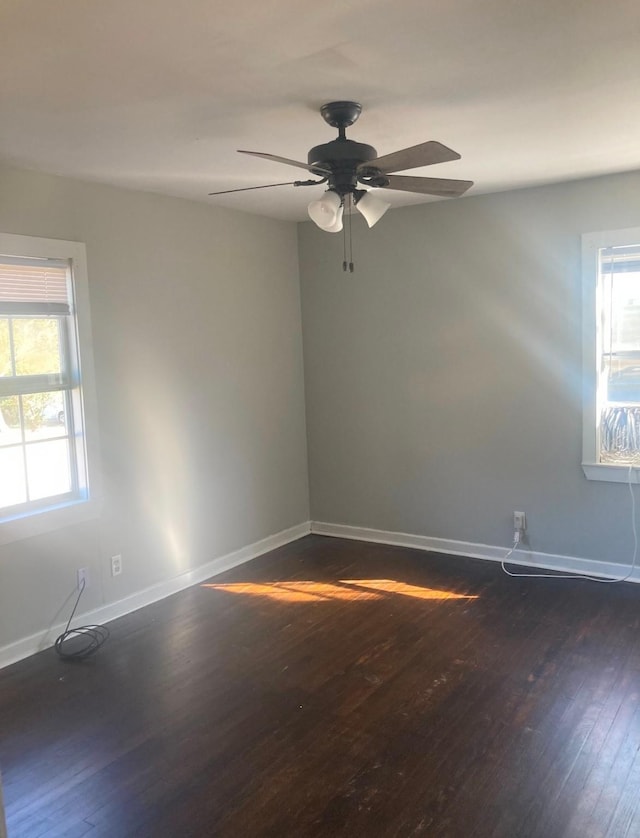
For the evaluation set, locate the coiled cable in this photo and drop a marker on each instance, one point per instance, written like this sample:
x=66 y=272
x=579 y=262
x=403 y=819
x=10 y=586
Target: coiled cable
x=82 y=641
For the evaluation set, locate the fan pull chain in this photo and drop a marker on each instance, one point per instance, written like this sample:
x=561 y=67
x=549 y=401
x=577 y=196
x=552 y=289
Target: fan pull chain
x=348 y=211
x=350 y=233
x=344 y=247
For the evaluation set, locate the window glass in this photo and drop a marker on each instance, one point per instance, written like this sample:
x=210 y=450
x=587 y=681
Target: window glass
x=5 y=351
x=619 y=363
x=48 y=471
x=13 y=486
x=10 y=430
x=44 y=416
x=36 y=343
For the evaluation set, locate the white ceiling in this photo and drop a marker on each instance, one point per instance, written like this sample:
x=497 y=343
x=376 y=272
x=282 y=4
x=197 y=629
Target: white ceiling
x=157 y=94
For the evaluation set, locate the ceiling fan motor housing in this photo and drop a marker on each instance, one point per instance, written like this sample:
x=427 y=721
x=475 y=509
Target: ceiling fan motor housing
x=344 y=163
x=342 y=157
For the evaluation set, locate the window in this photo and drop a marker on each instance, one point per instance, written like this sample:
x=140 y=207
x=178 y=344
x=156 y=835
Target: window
x=611 y=268
x=44 y=433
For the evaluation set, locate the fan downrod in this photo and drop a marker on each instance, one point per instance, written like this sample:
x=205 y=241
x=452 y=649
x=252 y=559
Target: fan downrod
x=341 y=114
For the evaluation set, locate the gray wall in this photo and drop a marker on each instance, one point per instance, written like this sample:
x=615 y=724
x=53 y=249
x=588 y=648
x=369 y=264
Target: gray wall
x=198 y=362
x=443 y=377
x=442 y=380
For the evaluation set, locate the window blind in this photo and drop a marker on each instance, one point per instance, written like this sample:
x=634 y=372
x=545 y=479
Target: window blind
x=33 y=286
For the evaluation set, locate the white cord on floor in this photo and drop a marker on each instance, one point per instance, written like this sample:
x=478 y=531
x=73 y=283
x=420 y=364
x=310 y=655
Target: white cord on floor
x=560 y=575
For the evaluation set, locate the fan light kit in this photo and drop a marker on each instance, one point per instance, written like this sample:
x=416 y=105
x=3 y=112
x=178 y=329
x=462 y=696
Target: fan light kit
x=344 y=164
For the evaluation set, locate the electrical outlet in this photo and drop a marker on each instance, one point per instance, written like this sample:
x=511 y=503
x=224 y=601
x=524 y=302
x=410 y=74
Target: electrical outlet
x=116 y=565
x=519 y=521
x=82 y=575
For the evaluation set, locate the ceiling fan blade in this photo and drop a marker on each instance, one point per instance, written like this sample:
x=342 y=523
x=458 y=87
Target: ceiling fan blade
x=286 y=161
x=424 y=154
x=441 y=187
x=248 y=188
x=269 y=185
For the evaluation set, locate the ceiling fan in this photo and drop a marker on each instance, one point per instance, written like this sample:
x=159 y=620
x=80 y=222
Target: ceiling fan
x=344 y=164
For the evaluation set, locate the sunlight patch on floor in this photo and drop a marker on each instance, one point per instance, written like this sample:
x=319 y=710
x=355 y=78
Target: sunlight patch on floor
x=390 y=586
x=345 y=589
x=295 y=591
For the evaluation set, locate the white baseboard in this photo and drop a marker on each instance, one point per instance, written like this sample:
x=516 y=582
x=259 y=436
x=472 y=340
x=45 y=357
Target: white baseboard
x=528 y=558
x=543 y=561
x=37 y=642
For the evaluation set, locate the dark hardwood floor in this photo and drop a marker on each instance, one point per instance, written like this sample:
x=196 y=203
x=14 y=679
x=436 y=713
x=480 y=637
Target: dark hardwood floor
x=336 y=688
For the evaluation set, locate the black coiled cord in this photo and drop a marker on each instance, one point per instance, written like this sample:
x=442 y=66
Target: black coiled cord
x=92 y=637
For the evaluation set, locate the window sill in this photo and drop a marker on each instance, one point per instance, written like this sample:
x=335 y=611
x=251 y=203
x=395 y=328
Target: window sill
x=610 y=473
x=47 y=520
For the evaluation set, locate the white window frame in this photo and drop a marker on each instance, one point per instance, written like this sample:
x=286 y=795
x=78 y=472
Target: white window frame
x=86 y=504
x=592 y=243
